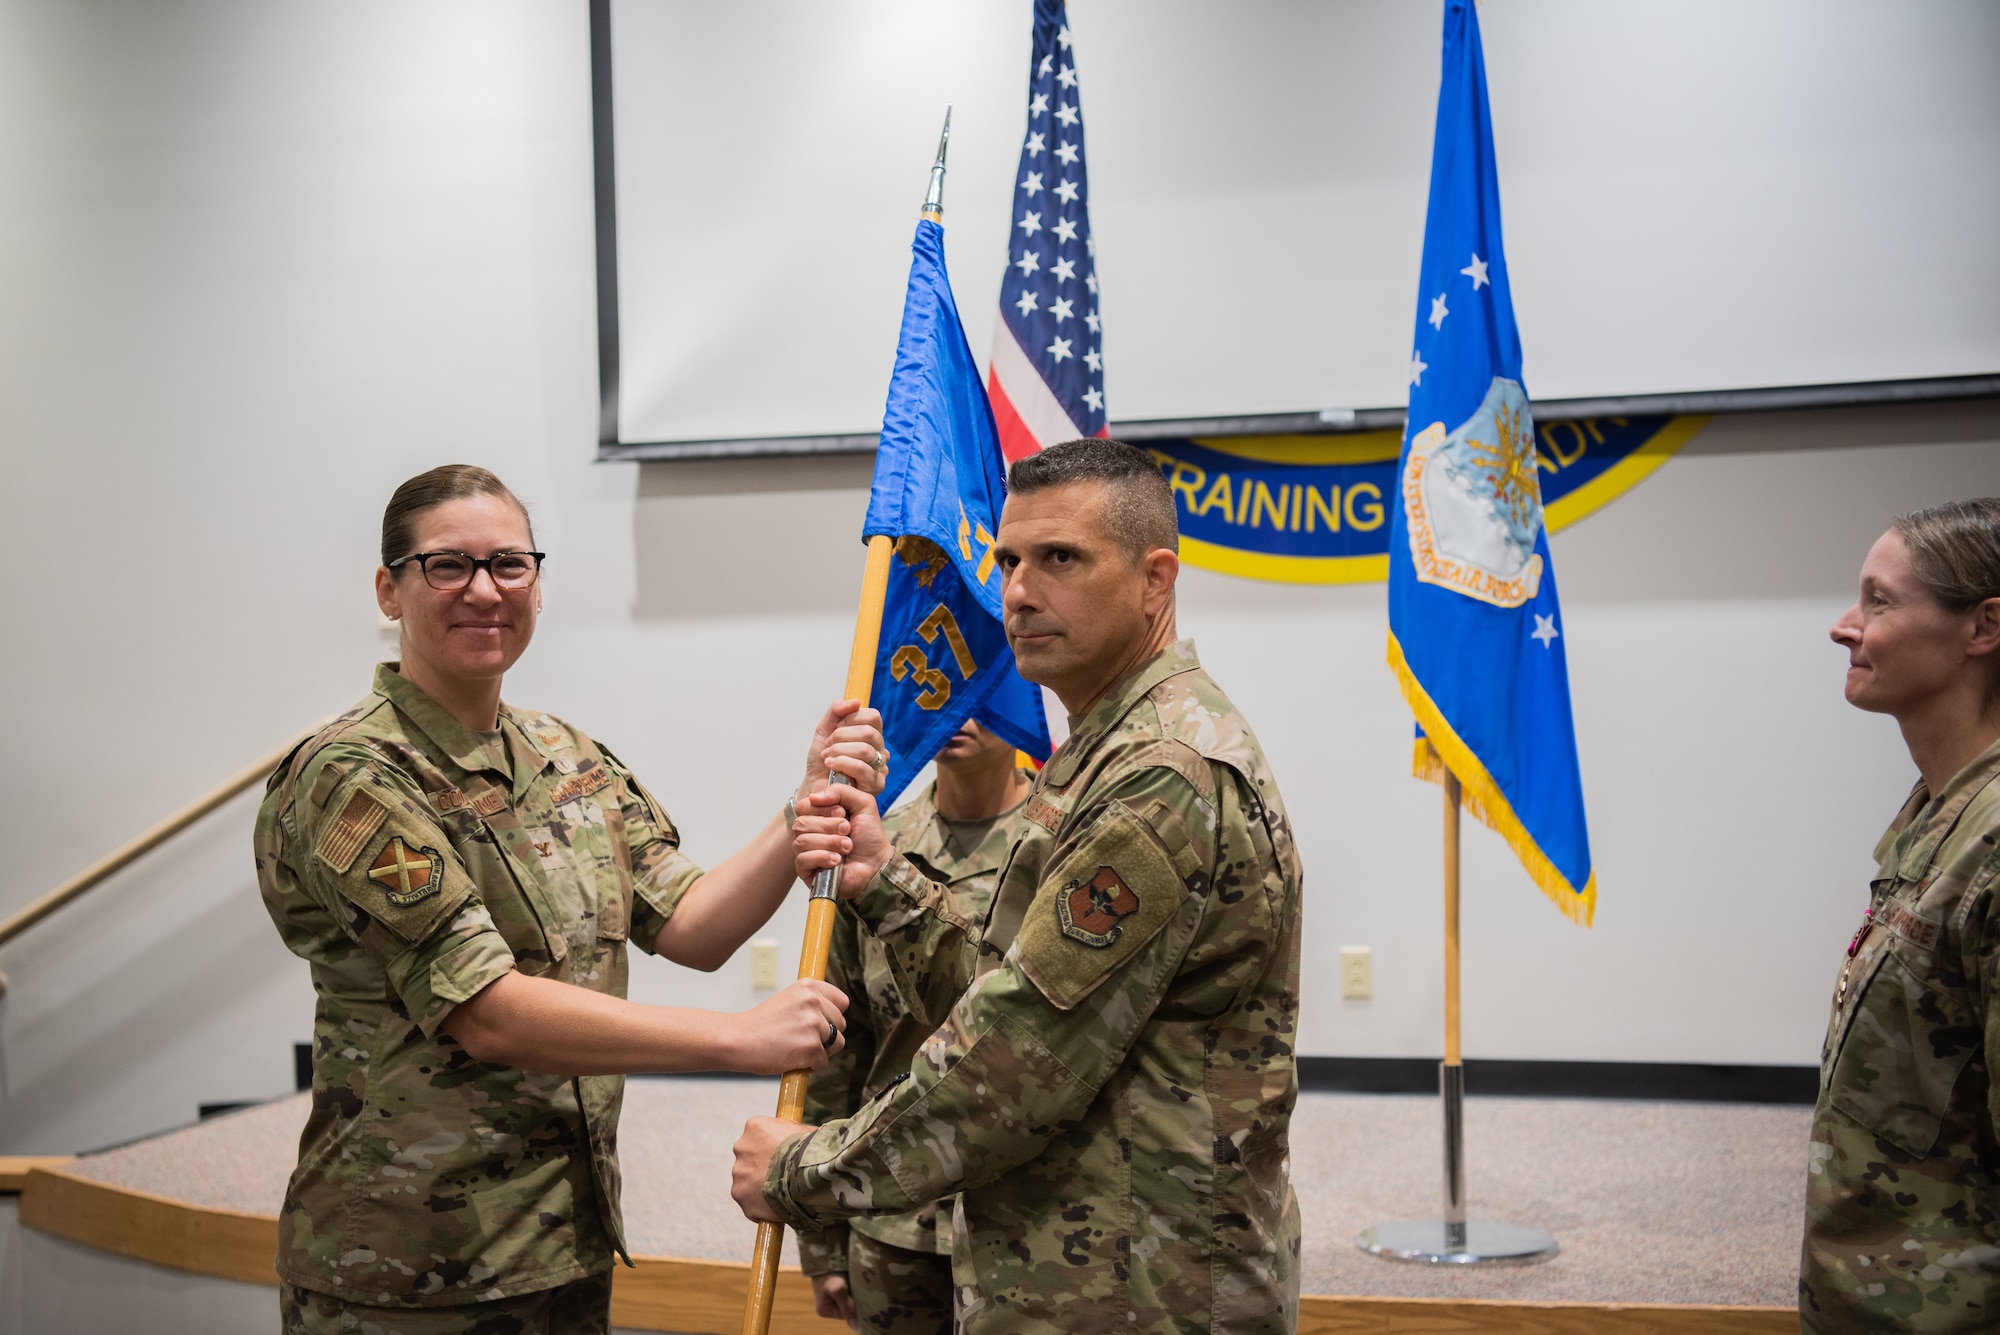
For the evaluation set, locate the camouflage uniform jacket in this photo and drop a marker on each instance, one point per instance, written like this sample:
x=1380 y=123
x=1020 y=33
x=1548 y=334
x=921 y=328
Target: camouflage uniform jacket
x=1112 y=1084
x=412 y=861
x=882 y=1035
x=1903 y=1183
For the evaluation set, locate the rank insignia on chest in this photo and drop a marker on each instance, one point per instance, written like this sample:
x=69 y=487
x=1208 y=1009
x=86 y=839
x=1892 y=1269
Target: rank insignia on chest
x=1093 y=911
x=406 y=876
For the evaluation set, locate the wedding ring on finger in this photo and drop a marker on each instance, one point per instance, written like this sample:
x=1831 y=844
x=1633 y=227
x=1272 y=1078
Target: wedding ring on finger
x=832 y=1032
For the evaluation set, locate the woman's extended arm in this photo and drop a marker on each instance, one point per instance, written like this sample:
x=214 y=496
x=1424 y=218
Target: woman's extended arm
x=539 y=1024
x=739 y=894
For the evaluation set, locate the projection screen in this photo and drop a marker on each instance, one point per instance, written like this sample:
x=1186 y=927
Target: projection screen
x=1699 y=195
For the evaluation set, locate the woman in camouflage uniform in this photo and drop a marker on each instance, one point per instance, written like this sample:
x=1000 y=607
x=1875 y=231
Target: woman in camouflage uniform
x=1903 y=1188
x=463 y=877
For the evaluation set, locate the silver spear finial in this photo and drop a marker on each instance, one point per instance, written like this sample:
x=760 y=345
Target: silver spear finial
x=934 y=197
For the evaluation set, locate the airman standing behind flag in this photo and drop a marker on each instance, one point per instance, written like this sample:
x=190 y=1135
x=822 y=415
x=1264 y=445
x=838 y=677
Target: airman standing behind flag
x=1112 y=1082
x=891 y=1274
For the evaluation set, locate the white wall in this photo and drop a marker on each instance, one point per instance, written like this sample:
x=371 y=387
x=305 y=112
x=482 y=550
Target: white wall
x=260 y=263
x=1699 y=194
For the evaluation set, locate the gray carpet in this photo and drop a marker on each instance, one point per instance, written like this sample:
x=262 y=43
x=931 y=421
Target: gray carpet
x=1651 y=1202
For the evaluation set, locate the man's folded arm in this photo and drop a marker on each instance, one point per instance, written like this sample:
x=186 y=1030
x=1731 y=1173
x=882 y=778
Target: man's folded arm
x=1025 y=1050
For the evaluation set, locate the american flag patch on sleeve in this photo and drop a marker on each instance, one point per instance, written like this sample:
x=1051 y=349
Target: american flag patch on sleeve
x=340 y=842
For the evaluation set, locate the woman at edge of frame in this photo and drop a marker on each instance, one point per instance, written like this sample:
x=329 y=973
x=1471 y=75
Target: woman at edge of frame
x=1903 y=1180
x=463 y=876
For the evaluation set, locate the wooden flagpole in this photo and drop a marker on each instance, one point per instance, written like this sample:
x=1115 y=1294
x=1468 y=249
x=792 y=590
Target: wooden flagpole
x=821 y=908
x=820 y=912
x=1451 y=1240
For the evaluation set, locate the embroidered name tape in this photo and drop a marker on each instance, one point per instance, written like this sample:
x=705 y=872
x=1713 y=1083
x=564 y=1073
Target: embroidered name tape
x=581 y=784
x=447 y=800
x=1898 y=918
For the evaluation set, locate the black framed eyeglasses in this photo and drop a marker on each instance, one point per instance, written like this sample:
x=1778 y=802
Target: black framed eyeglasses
x=450 y=571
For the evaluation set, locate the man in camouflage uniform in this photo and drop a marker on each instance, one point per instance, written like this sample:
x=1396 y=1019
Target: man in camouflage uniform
x=1111 y=1085
x=1903 y=1178
x=892 y=1276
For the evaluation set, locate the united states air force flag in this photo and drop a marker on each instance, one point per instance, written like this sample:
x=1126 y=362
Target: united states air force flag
x=1475 y=632
x=938 y=490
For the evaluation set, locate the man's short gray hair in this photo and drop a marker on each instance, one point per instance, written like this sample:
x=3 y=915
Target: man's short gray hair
x=1138 y=505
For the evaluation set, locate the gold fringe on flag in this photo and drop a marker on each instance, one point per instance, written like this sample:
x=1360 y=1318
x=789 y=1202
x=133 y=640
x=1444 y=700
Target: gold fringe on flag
x=1441 y=750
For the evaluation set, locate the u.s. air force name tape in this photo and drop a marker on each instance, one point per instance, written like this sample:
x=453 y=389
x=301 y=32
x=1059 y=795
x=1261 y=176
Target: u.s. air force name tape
x=1314 y=509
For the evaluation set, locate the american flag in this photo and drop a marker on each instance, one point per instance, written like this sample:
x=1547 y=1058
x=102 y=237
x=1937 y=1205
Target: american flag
x=1046 y=379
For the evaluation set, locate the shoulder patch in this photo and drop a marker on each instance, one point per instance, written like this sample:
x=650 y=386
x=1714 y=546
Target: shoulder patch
x=407 y=875
x=1094 y=911
x=1110 y=896
x=344 y=835
x=412 y=882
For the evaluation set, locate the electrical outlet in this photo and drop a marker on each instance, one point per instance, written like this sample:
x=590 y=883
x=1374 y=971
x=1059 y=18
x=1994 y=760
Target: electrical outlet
x=764 y=965
x=1357 y=973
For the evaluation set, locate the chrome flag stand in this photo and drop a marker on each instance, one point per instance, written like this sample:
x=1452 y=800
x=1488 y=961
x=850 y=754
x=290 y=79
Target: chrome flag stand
x=1454 y=1240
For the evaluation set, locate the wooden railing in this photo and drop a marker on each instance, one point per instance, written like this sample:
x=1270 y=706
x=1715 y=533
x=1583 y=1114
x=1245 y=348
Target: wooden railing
x=76 y=886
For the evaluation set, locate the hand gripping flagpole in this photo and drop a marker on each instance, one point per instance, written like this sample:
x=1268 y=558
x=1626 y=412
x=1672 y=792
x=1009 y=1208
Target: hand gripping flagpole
x=821 y=907
x=820 y=911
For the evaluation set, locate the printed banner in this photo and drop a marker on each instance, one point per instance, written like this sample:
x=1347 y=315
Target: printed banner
x=1315 y=509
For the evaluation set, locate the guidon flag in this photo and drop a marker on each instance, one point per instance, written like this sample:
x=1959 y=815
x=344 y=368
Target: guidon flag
x=1476 y=635
x=938 y=488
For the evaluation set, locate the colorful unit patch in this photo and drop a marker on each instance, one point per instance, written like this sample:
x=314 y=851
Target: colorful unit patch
x=1093 y=912
x=407 y=877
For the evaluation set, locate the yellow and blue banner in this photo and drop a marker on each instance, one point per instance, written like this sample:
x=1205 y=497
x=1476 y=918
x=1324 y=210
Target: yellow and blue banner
x=938 y=488
x=1476 y=632
x=1315 y=509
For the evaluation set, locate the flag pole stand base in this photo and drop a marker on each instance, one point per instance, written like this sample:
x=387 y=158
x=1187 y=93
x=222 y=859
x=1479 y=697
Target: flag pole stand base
x=1454 y=1240
x=1435 y=1242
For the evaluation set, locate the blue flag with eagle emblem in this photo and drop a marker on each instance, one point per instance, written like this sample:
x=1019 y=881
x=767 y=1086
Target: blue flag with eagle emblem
x=1475 y=631
x=938 y=489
